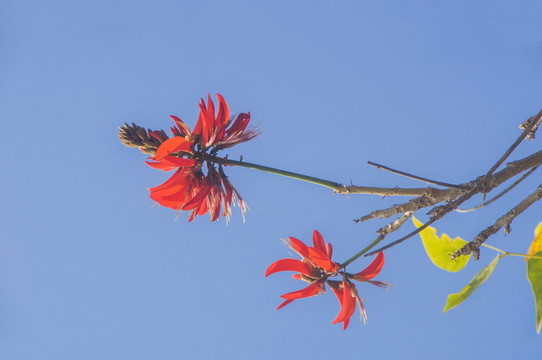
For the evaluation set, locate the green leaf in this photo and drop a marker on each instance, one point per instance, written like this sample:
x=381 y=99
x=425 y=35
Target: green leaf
x=534 y=274
x=477 y=280
x=441 y=249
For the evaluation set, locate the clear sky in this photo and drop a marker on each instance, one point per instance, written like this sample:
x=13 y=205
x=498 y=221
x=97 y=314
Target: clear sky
x=89 y=269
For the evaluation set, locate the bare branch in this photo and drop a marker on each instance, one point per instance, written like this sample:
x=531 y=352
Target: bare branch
x=396 y=191
x=526 y=123
x=512 y=169
x=500 y=194
x=415 y=177
x=394 y=225
x=503 y=221
x=526 y=132
x=411 y=206
x=440 y=212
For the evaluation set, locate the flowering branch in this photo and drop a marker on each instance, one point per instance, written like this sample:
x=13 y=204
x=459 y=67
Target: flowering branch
x=310 y=179
x=200 y=185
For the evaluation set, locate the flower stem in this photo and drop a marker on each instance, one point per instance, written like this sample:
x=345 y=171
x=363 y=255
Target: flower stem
x=369 y=247
x=505 y=253
x=494 y=248
x=329 y=184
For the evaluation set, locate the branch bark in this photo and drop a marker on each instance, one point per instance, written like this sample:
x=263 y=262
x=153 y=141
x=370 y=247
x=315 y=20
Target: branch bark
x=503 y=221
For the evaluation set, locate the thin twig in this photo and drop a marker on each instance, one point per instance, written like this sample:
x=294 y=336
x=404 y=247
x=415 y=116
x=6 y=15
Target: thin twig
x=499 y=195
x=512 y=169
x=412 y=205
x=396 y=191
x=516 y=143
x=391 y=227
x=415 y=177
x=394 y=225
x=442 y=210
x=503 y=221
x=530 y=135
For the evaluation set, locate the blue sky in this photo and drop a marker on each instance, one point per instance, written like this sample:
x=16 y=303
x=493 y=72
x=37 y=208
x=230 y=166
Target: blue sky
x=90 y=269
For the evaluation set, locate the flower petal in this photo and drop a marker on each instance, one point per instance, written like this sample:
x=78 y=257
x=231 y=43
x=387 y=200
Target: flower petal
x=184 y=129
x=172 y=145
x=210 y=114
x=348 y=306
x=374 y=267
x=329 y=249
x=222 y=118
x=322 y=260
x=318 y=241
x=173 y=193
x=160 y=166
x=289 y=265
x=283 y=304
x=178 y=162
x=311 y=290
x=204 y=123
x=199 y=124
x=299 y=247
x=198 y=198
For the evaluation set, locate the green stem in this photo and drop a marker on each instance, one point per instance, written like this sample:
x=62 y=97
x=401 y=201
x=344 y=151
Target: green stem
x=369 y=247
x=329 y=184
x=505 y=253
x=494 y=248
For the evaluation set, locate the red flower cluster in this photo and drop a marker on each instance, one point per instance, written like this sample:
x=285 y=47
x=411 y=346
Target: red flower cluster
x=189 y=188
x=316 y=267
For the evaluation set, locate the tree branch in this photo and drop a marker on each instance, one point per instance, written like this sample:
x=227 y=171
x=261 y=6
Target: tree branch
x=503 y=221
x=415 y=177
x=436 y=195
x=526 y=132
x=523 y=177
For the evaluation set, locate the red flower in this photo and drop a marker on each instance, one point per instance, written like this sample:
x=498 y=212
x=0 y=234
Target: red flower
x=316 y=265
x=190 y=189
x=346 y=293
x=316 y=268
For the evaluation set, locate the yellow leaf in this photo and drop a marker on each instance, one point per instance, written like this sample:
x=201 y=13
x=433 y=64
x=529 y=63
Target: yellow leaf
x=441 y=249
x=536 y=245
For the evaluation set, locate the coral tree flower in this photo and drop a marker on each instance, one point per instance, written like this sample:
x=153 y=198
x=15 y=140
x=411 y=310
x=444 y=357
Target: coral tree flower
x=316 y=268
x=190 y=188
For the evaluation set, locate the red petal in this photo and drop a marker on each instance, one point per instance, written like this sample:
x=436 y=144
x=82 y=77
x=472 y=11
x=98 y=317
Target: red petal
x=318 y=241
x=216 y=206
x=202 y=209
x=172 y=145
x=239 y=125
x=322 y=260
x=210 y=113
x=185 y=130
x=229 y=190
x=329 y=249
x=374 y=267
x=173 y=192
x=283 y=304
x=311 y=290
x=204 y=123
x=160 y=166
x=299 y=247
x=199 y=125
x=338 y=293
x=178 y=162
x=289 y=265
x=222 y=117
x=348 y=306
x=198 y=198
